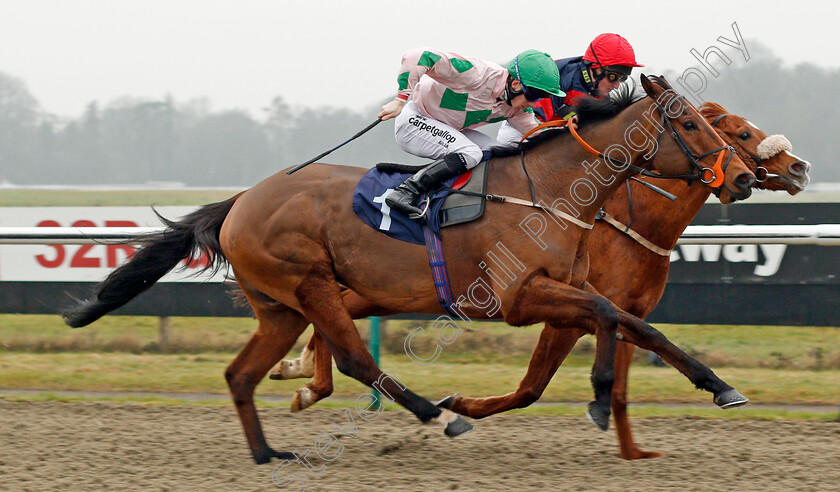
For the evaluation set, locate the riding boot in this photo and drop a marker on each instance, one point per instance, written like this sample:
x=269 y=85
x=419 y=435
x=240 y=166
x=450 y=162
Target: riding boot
x=427 y=179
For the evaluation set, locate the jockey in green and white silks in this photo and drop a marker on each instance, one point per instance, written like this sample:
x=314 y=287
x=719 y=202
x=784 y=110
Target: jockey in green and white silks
x=443 y=97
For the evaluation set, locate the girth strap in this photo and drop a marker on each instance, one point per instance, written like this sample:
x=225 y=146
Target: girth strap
x=519 y=201
x=609 y=219
x=559 y=213
x=440 y=275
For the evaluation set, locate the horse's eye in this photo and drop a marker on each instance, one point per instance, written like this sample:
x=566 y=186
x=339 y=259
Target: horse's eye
x=745 y=136
x=689 y=125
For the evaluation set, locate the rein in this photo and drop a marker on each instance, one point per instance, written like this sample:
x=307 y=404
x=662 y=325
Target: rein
x=715 y=180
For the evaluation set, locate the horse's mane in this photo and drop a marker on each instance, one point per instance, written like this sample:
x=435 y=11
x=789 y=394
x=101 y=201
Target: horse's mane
x=588 y=110
x=591 y=109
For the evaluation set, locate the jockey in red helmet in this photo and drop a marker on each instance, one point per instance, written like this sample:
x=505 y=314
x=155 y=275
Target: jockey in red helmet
x=608 y=61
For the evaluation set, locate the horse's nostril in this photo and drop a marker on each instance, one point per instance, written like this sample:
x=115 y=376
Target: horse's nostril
x=798 y=168
x=744 y=181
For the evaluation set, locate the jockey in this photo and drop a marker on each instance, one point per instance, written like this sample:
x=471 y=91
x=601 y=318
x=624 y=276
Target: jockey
x=436 y=114
x=608 y=61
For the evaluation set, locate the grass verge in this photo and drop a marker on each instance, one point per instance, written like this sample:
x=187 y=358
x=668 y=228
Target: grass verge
x=203 y=373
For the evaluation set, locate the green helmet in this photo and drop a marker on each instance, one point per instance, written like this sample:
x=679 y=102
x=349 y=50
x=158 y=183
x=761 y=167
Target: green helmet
x=536 y=71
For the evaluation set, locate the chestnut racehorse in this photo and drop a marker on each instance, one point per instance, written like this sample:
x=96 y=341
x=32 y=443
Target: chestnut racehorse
x=634 y=286
x=293 y=242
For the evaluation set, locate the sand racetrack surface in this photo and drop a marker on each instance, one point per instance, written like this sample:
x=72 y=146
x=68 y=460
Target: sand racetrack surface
x=101 y=446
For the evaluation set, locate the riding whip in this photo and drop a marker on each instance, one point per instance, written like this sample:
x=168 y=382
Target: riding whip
x=310 y=161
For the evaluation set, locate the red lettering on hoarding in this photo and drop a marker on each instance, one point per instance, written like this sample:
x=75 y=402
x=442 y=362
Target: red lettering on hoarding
x=86 y=256
x=113 y=249
x=201 y=262
x=79 y=259
x=59 y=249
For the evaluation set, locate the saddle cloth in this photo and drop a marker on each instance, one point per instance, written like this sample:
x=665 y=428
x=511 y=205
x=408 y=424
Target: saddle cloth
x=446 y=208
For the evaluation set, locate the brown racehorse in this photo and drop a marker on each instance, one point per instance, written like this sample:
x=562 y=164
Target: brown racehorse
x=293 y=243
x=636 y=286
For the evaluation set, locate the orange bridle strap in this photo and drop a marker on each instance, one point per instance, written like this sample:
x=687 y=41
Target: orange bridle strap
x=717 y=169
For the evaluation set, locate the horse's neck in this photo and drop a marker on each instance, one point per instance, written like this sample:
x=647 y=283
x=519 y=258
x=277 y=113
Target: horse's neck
x=565 y=170
x=656 y=218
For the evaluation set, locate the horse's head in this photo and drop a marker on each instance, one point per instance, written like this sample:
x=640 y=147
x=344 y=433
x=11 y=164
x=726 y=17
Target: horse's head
x=770 y=158
x=694 y=151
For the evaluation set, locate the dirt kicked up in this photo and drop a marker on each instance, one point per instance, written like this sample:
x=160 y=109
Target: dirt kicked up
x=99 y=446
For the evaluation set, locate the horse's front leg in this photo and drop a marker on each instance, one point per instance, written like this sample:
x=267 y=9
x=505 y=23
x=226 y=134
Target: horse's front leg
x=641 y=334
x=629 y=450
x=543 y=299
x=553 y=347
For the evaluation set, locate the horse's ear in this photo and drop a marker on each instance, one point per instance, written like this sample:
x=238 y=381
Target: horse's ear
x=660 y=79
x=710 y=109
x=647 y=85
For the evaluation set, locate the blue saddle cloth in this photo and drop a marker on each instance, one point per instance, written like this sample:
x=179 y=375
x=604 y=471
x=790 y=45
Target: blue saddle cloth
x=369 y=204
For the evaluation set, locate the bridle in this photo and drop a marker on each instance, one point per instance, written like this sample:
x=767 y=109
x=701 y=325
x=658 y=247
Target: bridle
x=711 y=176
x=715 y=180
x=761 y=172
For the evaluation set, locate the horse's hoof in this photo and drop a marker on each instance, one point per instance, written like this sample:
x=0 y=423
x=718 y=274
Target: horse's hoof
x=457 y=427
x=448 y=401
x=639 y=454
x=598 y=417
x=303 y=399
x=280 y=371
x=296 y=405
x=730 y=399
x=265 y=455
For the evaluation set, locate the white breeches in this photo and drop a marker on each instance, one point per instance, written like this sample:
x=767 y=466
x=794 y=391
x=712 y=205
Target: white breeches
x=426 y=137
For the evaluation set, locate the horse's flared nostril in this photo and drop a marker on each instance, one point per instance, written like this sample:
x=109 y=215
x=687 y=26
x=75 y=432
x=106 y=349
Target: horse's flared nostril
x=745 y=181
x=799 y=168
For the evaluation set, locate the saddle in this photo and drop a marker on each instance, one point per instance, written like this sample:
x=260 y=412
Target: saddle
x=465 y=200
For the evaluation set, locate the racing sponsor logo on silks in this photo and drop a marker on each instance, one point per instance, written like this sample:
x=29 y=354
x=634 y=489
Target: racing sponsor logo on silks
x=432 y=129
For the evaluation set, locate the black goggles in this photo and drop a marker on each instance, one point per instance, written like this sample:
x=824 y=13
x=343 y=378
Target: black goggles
x=534 y=94
x=614 y=77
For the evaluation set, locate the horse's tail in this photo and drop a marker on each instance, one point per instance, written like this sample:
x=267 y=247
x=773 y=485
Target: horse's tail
x=187 y=238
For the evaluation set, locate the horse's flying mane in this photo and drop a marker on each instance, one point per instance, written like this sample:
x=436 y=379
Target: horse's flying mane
x=588 y=109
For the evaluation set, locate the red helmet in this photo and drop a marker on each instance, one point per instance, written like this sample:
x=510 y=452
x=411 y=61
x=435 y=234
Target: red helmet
x=610 y=50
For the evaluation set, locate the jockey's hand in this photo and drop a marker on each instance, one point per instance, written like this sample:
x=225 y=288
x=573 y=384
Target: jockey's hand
x=391 y=110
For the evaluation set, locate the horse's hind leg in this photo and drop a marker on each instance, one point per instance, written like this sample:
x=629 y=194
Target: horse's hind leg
x=320 y=300
x=279 y=328
x=316 y=360
x=305 y=365
x=302 y=367
x=553 y=347
x=322 y=384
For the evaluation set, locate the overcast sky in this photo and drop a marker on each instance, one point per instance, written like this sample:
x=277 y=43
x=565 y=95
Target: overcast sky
x=241 y=54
